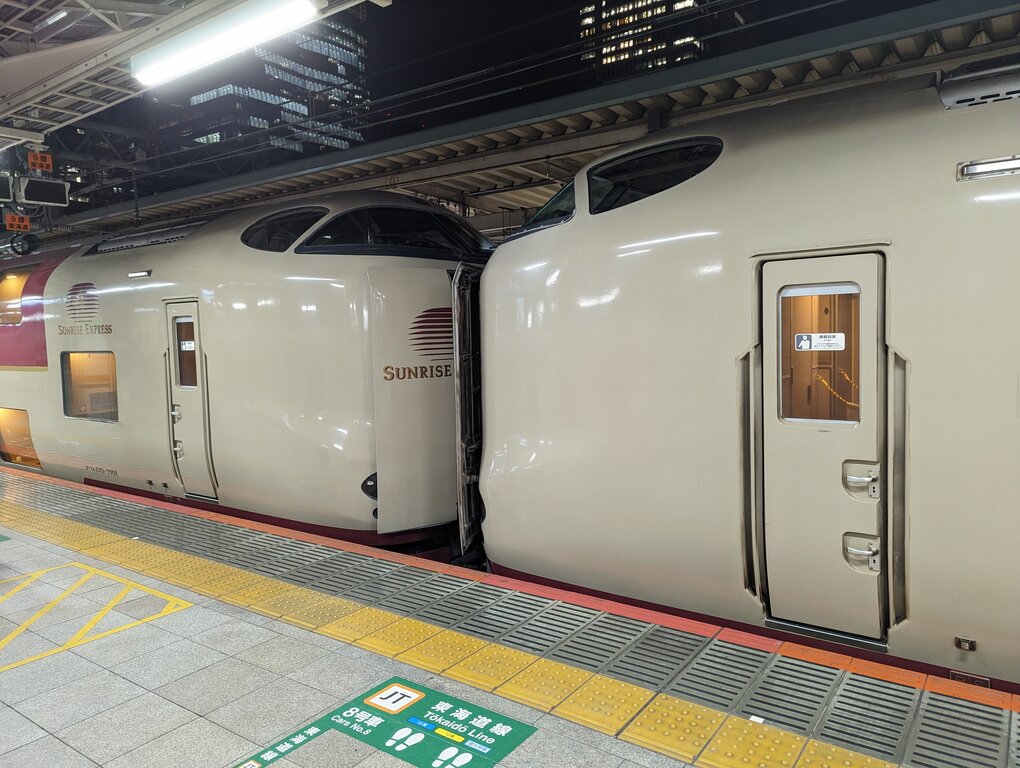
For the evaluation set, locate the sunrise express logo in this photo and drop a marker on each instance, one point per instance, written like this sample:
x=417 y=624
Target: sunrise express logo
x=82 y=308
x=431 y=336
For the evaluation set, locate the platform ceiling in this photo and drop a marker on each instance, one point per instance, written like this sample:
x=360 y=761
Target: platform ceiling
x=501 y=164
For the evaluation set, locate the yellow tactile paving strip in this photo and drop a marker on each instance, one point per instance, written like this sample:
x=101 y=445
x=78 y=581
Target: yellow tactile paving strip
x=87 y=632
x=671 y=726
x=676 y=727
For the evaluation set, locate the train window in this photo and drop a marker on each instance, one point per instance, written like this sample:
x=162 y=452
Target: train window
x=16 y=439
x=187 y=362
x=560 y=208
x=90 y=385
x=820 y=352
x=400 y=227
x=280 y=231
x=12 y=286
x=634 y=177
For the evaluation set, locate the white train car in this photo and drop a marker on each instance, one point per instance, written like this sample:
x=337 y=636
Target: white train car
x=765 y=369
x=290 y=362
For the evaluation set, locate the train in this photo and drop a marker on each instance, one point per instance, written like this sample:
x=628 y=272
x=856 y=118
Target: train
x=759 y=367
x=279 y=362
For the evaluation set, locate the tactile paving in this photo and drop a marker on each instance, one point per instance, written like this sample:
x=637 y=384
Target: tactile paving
x=498 y=618
x=870 y=716
x=549 y=628
x=490 y=667
x=293 y=600
x=418 y=596
x=397 y=580
x=356 y=625
x=655 y=658
x=327 y=610
x=953 y=733
x=398 y=637
x=457 y=606
x=442 y=651
x=790 y=694
x=819 y=755
x=740 y=743
x=544 y=684
x=315 y=573
x=719 y=675
x=227 y=583
x=674 y=727
x=370 y=570
x=258 y=591
x=604 y=704
x=598 y=643
x=1014 y=753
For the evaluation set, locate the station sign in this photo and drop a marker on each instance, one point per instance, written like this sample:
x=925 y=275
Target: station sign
x=420 y=726
x=40 y=161
x=16 y=223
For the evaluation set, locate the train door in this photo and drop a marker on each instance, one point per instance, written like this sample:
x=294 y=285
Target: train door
x=189 y=425
x=824 y=431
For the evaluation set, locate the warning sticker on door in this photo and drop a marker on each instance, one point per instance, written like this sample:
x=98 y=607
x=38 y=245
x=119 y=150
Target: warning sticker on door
x=187 y=346
x=819 y=342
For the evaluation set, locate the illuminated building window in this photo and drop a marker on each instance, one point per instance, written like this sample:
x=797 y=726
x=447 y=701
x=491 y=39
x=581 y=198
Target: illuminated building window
x=12 y=286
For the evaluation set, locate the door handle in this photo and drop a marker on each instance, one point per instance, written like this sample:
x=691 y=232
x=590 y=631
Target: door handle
x=858 y=480
x=862 y=552
x=175 y=413
x=178 y=449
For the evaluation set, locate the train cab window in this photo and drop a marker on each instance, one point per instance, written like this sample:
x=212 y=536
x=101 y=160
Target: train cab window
x=820 y=352
x=16 y=439
x=628 y=179
x=90 y=385
x=280 y=231
x=12 y=286
x=187 y=362
x=387 y=226
x=560 y=208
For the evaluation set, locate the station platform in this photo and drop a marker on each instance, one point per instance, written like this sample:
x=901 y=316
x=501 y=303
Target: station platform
x=146 y=634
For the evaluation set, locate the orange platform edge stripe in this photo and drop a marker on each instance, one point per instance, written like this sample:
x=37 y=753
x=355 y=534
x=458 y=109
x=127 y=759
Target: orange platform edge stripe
x=746 y=639
x=985 y=696
x=815 y=656
x=889 y=674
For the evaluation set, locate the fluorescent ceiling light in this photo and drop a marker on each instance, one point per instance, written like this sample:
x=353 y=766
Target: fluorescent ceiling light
x=230 y=33
x=55 y=18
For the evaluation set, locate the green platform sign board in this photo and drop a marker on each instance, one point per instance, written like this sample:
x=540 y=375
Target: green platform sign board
x=425 y=728
x=5 y=538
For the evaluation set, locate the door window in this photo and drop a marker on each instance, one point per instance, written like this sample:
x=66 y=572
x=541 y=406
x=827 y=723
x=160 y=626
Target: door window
x=820 y=352
x=187 y=362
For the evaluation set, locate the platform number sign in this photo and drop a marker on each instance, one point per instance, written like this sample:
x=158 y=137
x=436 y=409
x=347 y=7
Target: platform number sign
x=40 y=161
x=415 y=724
x=16 y=223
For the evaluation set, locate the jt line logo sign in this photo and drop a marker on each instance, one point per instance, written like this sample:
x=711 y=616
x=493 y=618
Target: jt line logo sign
x=425 y=728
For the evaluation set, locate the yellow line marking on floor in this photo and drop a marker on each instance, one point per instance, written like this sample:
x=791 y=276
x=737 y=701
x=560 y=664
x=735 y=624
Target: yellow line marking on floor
x=29 y=580
x=674 y=727
x=604 y=704
x=740 y=743
x=819 y=755
x=544 y=684
x=17 y=631
x=81 y=637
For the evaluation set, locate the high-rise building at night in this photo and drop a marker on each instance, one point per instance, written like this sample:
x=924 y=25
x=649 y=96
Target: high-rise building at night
x=630 y=37
x=301 y=93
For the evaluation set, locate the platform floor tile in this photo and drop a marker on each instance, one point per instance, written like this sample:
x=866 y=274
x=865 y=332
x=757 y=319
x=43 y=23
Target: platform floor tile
x=544 y=684
x=741 y=743
x=321 y=613
x=490 y=667
x=442 y=651
x=819 y=755
x=605 y=704
x=356 y=625
x=674 y=727
x=231 y=582
x=398 y=637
